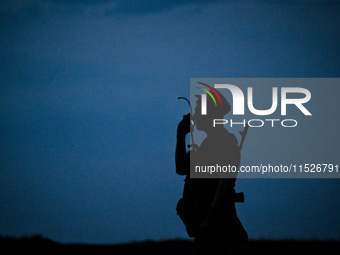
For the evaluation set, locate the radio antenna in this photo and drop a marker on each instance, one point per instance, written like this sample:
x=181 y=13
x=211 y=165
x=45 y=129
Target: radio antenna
x=193 y=145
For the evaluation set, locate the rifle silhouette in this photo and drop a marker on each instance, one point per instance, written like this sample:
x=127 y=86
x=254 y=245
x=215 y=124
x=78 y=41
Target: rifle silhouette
x=243 y=135
x=239 y=197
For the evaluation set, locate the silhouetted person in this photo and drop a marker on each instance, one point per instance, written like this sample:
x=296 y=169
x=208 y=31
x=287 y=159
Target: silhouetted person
x=208 y=205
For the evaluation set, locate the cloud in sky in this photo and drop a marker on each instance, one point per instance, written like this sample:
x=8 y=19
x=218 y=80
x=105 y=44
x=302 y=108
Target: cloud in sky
x=125 y=7
x=20 y=12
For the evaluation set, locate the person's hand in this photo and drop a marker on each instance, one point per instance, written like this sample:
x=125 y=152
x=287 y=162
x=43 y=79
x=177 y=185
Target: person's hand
x=184 y=125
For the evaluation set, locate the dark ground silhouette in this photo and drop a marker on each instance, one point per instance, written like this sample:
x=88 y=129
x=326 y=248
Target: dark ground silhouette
x=40 y=245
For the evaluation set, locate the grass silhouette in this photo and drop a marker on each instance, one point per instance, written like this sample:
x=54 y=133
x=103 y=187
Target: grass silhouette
x=39 y=245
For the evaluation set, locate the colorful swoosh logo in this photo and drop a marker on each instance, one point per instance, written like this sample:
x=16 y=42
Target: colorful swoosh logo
x=213 y=90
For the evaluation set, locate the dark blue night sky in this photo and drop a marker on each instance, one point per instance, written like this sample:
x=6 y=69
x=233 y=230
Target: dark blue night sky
x=89 y=111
